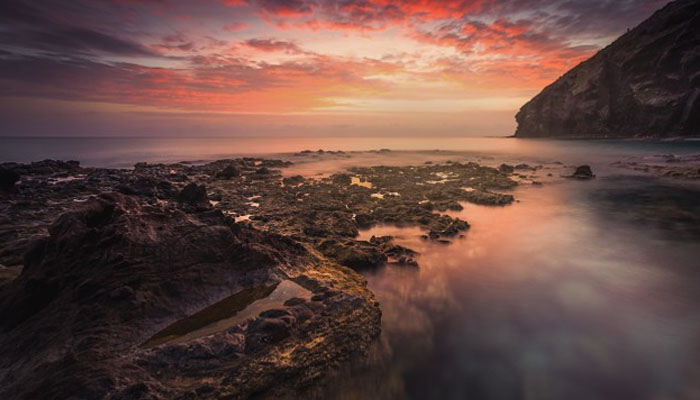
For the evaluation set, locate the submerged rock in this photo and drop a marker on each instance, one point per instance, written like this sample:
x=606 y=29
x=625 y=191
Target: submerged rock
x=583 y=172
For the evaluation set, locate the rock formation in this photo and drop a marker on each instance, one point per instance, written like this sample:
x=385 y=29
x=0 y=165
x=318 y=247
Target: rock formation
x=95 y=263
x=114 y=272
x=646 y=83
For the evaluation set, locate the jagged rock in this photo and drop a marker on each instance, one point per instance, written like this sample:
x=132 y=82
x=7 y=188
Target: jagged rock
x=646 y=83
x=356 y=255
x=194 y=195
x=116 y=271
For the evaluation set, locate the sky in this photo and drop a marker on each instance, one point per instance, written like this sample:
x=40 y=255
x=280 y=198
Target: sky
x=290 y=68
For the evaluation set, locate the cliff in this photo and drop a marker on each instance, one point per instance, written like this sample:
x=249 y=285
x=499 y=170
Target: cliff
x=644 y=84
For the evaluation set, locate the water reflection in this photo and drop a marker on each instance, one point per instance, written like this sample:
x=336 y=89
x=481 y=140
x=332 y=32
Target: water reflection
x=551 y=297
x=229 y=312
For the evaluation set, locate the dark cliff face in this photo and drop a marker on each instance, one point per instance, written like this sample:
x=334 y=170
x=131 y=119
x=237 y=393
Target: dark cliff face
x=646 y=83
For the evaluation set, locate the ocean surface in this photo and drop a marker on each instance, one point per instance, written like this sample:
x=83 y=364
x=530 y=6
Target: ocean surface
x=125 y=152
x=579 y=290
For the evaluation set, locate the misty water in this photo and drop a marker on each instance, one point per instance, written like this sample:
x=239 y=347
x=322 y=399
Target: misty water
x=579 y=290
x=559 y=296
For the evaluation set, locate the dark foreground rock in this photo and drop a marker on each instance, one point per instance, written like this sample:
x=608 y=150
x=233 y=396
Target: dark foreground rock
x=116 y=271
x=8 y=178
x=646 y=83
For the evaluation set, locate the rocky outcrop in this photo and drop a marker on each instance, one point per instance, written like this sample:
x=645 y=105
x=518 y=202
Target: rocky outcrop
x=135 y=253
x=116 y=271
x=646 y=83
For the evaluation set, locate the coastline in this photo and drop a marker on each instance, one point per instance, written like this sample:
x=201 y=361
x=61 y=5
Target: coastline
x=136 y=251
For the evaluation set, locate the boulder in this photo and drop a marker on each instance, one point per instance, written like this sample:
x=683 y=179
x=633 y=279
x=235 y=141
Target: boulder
x=8 y=178
x=583 y=172
x=194 y=195
x=228 y=172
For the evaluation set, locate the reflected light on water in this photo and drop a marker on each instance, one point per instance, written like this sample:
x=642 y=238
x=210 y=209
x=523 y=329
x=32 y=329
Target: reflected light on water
x=545 y=298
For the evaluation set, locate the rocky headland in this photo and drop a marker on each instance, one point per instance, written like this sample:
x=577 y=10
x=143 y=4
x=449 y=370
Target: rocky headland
x=644 y=84
x=105 y=272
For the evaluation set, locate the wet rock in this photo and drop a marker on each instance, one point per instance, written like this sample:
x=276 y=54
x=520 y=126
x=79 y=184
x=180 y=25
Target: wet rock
x=455 y=227
x=265 y=331
x=407 y=261
x=506 y=169
x=356 y=255
x=364 y=221
x=583 y=172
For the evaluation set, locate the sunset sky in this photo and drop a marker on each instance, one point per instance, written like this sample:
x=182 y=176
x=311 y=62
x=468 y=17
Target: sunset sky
x=295 y=68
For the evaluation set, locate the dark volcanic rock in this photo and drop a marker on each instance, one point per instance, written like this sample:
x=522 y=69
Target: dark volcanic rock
x=583 y=172
x=8 y=178
x=342 y=179
x=149 y=187
x=646 y=83
x=194 y=195
x=229 y=172
x=357 y=255
x=116 y=271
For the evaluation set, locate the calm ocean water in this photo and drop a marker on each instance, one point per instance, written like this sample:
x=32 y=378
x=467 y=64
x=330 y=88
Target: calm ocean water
x=125 y=152
x=579 y=290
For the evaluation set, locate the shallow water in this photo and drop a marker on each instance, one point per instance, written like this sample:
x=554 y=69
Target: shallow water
x=125 y=152
x=229 y=312
x=558 y=296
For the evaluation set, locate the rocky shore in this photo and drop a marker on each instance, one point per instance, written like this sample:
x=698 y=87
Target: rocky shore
x=96 y=262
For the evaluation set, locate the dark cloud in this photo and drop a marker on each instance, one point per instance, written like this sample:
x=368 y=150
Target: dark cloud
x=285 y=8
x=593 y=17
x=27 y=27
